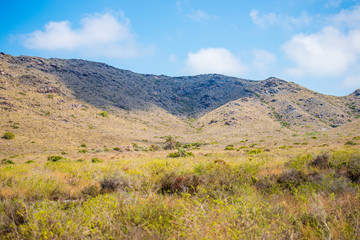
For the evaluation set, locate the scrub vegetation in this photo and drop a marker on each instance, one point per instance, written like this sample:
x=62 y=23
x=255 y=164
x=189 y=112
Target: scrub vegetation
x=280 y=194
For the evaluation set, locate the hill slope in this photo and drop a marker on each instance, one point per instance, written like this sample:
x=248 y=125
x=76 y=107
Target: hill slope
x=57 y=101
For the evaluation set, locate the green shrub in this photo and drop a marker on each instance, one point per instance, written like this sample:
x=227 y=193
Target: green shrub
x=8 y=136
x=190 y=154
x=299 y=161
x=29 y=161
x=254 y=151
x=63 y=153
x=350 y=143
x=96 y=160
x=173 y=155
x=242 y=147
x=229 y=147
x=82 y=151
x=6 y=161
x=284 y=124
x=154 y=147
x=83 y=145
x=54 y=158
x=181 y=153
x=104 y=114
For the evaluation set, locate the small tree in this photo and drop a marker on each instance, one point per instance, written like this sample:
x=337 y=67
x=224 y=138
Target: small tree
x=170 y=143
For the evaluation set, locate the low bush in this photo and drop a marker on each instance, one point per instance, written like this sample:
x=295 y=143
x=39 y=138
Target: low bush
x=96 y=160
x=229 y=147
x=6 y=161
x=54 y=158
x=299 y=161
x=172 y=183
x=181 y=153
x=112 y=183
x=350 y=143
x=254 y=151
x=291 y=178
x=173 y=155
x=8 y=136
x=104 y=114
x=266 y=184
x=154 y=147
x=321 y=162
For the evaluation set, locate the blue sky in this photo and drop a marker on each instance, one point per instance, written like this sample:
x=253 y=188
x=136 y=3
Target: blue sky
x=315 y=43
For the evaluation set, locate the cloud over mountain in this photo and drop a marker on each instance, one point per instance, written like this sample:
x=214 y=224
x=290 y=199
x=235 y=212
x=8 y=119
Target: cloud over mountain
x=214 y=60
x=98 y=35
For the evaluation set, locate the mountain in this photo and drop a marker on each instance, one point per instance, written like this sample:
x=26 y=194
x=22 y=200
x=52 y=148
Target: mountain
x=58 y=101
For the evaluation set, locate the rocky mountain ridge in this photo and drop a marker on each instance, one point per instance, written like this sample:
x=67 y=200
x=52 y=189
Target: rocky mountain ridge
x=105 y=87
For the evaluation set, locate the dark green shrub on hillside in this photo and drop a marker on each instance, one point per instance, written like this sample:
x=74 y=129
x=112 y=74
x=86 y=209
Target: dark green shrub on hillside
x=254 y=151
x=350 y=143
x=181 y=153
x=173 y=155
x=229 y=147
x=104 y=114
x=8 y=136
x=54 y=158
x=96 y=160
x=6 y=161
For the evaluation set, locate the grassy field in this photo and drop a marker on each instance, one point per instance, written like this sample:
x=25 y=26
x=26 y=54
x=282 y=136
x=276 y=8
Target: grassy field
x=273 y=193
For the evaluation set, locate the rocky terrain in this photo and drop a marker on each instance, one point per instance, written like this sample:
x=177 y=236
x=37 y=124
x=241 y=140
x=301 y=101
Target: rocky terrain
x=41 y=98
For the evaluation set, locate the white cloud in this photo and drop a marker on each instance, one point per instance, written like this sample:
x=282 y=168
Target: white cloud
x=263 y=60
x=333 y=3
x=265 y=19
x=98 y=35
x=199 y=16
x=346 y=18
x=326 y=53
x=214 y=60
x=270 y=19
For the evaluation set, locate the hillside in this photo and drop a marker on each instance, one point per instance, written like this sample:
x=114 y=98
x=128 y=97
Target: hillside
x=54 y=103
